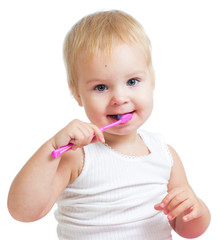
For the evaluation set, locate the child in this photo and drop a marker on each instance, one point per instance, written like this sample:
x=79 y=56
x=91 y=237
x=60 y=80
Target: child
x=125 y=183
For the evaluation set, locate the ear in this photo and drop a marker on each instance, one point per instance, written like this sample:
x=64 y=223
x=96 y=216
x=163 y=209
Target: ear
x=78 y=98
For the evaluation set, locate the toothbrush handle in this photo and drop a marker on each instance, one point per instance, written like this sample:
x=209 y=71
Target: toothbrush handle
x=110 y=125
x=58 y=152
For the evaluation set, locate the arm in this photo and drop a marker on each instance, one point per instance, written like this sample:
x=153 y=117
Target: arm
x=188 y=215
x=39 y=183
x=42 y=179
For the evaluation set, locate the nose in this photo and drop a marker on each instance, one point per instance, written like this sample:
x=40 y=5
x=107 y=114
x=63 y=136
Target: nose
x=119 y=98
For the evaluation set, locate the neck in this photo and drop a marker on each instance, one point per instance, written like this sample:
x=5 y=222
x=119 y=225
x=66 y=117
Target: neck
x=131 y=144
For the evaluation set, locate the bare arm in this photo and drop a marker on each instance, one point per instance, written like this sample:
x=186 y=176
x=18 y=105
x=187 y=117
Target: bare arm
x=42 y=179
x=188 y=215
x=38 y=184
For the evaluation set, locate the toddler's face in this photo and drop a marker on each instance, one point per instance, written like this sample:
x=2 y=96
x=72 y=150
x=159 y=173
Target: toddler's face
x=116 y=84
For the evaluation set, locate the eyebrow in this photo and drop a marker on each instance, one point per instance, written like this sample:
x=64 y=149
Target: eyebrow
x=142 y=72
x=133 y=74
x=95 y=80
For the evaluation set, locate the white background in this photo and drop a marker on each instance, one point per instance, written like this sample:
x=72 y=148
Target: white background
x=36 y=102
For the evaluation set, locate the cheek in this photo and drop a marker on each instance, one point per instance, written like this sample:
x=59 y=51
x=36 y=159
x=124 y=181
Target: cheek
x=95 y=111
x=145 y=105
x=145 y=100
x=149 y=107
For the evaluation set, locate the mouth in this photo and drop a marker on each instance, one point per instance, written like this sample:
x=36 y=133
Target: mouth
x=118 y=116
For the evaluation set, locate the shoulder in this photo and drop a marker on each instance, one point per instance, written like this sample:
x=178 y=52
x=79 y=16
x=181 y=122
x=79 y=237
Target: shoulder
x=157 y=143
x=178 y=176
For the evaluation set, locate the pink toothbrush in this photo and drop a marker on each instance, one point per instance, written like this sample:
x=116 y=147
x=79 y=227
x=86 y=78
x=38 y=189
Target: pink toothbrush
x=124 y=118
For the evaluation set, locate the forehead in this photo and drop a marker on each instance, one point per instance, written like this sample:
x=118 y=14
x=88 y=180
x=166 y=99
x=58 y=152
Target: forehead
x=122 y=58
x=109 y=51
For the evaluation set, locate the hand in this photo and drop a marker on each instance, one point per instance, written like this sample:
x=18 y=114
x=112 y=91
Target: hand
x=181 y=201
x=79 y=134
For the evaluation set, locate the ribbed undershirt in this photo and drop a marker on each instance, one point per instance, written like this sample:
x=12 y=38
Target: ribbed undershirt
x=115 y=194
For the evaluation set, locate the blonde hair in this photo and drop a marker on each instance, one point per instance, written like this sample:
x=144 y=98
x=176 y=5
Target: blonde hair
x=102 y=31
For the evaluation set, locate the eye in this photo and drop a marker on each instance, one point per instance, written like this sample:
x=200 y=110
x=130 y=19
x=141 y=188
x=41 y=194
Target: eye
x=101 y=87
x=132 y=82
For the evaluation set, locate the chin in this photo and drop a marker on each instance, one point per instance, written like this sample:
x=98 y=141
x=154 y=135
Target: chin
x=123 y=130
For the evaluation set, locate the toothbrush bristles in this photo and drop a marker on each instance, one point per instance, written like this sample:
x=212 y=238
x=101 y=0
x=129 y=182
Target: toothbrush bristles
x=119 y=117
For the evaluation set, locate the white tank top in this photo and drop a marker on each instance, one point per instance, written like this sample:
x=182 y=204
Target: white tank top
x=115 y=194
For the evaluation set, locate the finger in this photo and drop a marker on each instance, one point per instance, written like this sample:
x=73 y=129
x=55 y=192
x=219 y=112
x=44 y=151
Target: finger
x=88 y=132
x=181 y=208
x=192 y=215
x=74 y=147
x=80 y=137
x=77 y=139
x=98 y=134
x=170 y=196
x=159 y=206
x=177 y=200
